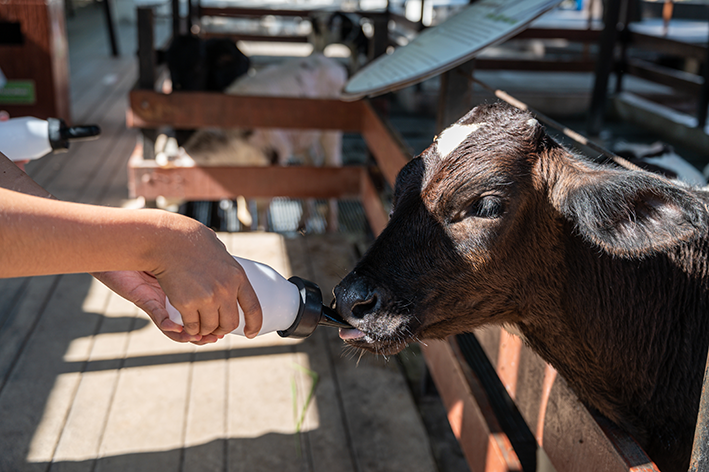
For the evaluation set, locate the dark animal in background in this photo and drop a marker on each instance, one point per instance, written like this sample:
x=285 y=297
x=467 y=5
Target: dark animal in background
x=603 y=270
x=208 y=65
x=340 y=28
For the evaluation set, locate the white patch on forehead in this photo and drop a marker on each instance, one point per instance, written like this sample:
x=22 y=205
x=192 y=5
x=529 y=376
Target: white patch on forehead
x=452 y=137
x=532 y=122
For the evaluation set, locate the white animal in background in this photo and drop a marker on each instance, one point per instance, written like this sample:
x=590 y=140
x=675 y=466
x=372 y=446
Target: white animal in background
x=661 y=158
x=315 y=76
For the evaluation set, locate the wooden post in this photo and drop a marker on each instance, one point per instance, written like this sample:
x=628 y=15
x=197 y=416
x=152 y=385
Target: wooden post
x=455 y=95
x=380 y=41
x=146 y=70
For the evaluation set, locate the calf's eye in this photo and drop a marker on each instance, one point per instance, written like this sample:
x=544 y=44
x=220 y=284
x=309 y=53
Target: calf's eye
x=484 y=207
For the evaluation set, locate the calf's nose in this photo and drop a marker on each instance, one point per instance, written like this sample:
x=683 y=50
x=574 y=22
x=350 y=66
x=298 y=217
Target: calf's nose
x=356 y=298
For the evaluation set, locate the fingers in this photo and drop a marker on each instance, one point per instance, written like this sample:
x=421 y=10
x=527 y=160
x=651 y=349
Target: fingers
x=228 y=319
x=210 y=338
x=190 y=321
x=172 y=330
x=253 y=316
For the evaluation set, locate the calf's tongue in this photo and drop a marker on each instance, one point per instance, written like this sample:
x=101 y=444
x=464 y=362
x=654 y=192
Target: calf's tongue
x=350 y=333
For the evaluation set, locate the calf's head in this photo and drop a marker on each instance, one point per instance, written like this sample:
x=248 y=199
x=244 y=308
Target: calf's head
x=480 y=228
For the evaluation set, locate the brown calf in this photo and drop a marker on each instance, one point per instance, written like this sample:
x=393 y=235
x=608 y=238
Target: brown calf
x=603 y=270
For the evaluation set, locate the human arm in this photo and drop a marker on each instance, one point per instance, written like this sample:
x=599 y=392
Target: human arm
x=41 y=236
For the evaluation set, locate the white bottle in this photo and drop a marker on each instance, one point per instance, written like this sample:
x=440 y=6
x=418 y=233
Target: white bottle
x=292 y=307
x=28 y=138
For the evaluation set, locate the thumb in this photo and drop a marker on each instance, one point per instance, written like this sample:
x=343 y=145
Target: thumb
x=160 y=317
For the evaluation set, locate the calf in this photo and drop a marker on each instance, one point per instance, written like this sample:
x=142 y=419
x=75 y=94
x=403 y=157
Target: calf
x=602 y=270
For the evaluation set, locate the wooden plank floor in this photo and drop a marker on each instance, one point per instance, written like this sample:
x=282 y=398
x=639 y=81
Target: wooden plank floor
x=87 y=383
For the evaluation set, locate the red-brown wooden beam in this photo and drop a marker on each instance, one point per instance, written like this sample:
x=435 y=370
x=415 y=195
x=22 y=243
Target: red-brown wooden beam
x=571 y=436
x=147 y=179
x=372 y=204
x=388 y=150
x=188 y=110
x=485 y=445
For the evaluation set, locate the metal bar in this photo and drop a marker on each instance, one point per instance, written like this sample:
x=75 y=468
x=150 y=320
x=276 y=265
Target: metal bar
x=604 y=65
x=111 y=28
x=552 y=65
x=176 y=18
x=668 y=46
x=146 y=50
x=677 y=79
x=704 y=94
x=256 y=37
x=190 y=15
x=576 y=35
x=568 y=132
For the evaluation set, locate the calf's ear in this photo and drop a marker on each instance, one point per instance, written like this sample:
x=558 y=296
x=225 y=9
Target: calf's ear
x=630 y=214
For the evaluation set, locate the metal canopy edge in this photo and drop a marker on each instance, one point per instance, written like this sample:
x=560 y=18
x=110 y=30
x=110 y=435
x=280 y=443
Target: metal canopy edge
x=448 y=45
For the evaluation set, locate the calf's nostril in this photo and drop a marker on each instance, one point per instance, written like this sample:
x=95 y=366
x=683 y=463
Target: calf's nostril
x=362 y=308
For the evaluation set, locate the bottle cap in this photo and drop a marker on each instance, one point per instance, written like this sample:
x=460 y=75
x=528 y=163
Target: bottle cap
x=311 y=312
x=60 y=135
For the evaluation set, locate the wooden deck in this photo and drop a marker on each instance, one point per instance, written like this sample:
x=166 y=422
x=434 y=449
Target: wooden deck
x=87 y=383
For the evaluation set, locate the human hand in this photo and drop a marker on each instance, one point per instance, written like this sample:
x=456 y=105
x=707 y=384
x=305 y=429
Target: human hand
x=203 y=281
x=145 y=292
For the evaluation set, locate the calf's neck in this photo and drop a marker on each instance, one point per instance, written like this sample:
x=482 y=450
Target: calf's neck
x=603 y=270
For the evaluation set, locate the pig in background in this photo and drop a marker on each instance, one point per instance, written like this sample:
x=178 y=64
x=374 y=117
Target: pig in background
x=315 y=76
